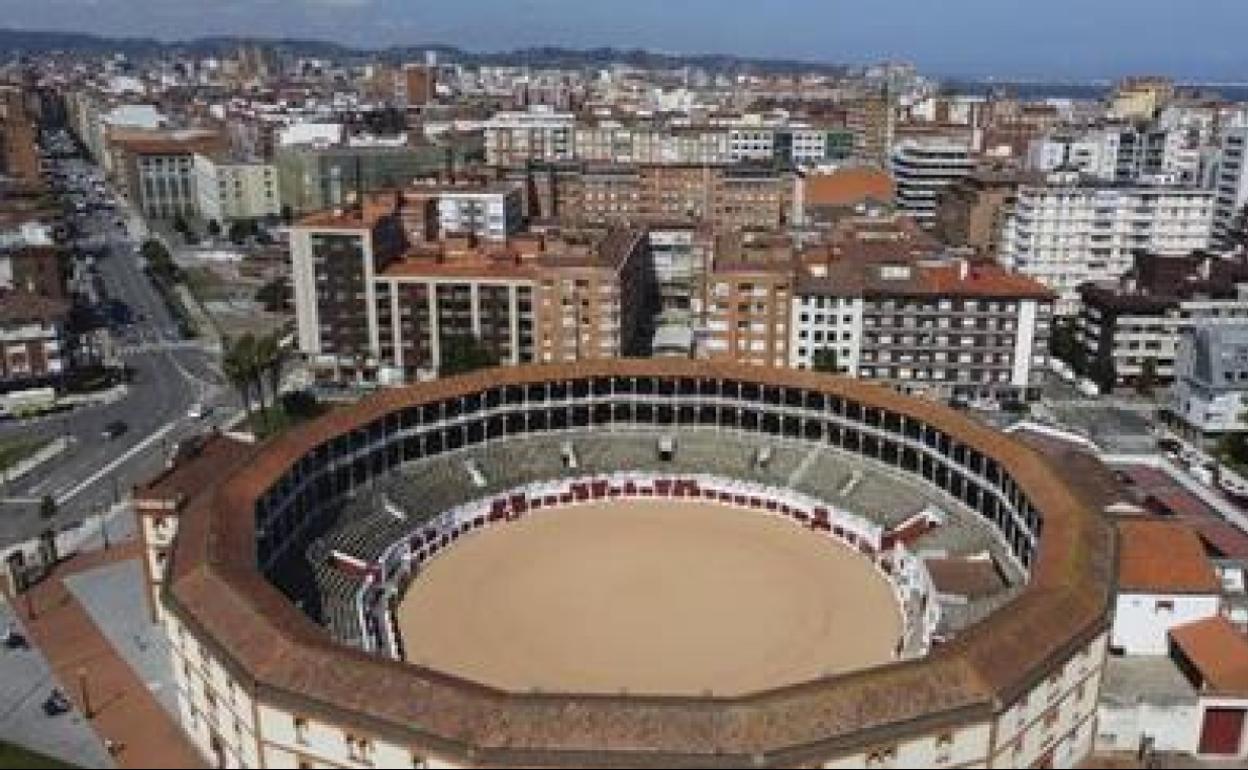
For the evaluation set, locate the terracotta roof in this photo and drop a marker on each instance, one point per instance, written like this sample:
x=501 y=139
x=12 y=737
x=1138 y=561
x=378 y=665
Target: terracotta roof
x=848 y=187
x=216 y=588
x=1218 y=651
x=217 y=457
x=1163 y=557
x=858 y=278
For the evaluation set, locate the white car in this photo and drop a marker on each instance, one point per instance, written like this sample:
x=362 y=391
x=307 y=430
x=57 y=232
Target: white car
x=197 y=412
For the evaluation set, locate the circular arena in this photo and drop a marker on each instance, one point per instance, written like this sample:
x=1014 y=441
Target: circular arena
x=649 y=597
x=635 y=563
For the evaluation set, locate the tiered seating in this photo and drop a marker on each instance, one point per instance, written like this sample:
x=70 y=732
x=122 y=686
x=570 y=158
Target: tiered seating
x=365 y=525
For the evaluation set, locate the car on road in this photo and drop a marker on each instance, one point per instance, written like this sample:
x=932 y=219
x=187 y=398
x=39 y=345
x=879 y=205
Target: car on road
x=198 y=411
x=115 y=429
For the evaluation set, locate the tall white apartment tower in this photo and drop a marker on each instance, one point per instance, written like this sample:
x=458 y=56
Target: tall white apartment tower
x=1231 y=182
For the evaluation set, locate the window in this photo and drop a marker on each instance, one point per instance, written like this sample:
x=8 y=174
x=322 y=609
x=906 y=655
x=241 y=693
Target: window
x=882 y=757
x=301 y=730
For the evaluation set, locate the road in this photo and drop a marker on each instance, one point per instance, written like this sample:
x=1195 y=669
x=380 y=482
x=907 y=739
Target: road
x=171 y=374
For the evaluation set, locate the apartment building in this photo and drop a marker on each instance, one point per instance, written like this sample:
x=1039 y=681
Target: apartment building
x=972 y=212
x=159 y=169
x=1207 y=400
x=513 y=139
x=871 y=120
x=416 y=85
x=922 y=170
x=1120 y=153
x=372 y=309
x=1069 y=231
x=1231 y=183
x=933 y=328
x=742 y=313
x=19 y=157
x=596 y=296
x=650 y=142
x=34 y=344
x=315 y=177
x=1143 y=316
x=232 y=189
x=725 y=197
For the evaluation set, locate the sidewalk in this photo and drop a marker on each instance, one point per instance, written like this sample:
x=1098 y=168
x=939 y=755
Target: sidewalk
x=122 y=707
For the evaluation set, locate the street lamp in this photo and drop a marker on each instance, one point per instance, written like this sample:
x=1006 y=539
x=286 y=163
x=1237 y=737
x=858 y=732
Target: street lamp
x=82 y=691
x=103 y=509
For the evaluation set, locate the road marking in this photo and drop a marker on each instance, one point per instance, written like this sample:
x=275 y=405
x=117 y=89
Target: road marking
x=107 y=469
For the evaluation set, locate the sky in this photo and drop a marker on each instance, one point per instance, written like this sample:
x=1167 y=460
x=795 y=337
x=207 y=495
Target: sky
x=1188 y=39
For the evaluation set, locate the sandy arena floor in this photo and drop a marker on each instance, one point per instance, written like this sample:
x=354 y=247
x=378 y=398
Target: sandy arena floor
x=648 y=597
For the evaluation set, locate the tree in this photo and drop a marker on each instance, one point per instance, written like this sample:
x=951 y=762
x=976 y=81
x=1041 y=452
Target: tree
x=213 y=228
x=239 y=231
x=275 y=295
x=47 y=507
x=1103 y=374
x=466 y=353
x=824 y=360
x=271 y=359
x=239 y=367
x=180 y=225
x=288 y=214
x=1148 y=377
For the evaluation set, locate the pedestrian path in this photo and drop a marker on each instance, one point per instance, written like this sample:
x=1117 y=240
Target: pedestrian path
x=120 y=704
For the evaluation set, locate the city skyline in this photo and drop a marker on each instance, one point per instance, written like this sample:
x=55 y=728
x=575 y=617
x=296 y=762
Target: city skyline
x=1066 y=40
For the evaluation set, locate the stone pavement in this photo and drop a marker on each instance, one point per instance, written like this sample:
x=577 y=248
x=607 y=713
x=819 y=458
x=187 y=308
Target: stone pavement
x=113 y=596
x=120 y=705
x=27 y=682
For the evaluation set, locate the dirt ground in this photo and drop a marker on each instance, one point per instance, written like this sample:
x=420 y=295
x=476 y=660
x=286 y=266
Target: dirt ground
x=649 y=598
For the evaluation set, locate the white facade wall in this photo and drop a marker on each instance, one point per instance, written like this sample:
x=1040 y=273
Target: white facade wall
x=1172 y=726
x=1231 y=180
x=1065 y=235
x=1142 y=622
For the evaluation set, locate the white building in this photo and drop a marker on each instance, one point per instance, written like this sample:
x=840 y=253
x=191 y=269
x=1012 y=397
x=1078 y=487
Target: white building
x=1231 y=181
x=230 y=190
x=1070 y=231
x=1164 y=581
x=540 y=134
x=1211 y=380
x=923 y=170
x=491 y=214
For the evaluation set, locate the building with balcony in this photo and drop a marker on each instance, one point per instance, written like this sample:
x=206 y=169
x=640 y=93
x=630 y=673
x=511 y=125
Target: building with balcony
x=1069 y=231
x=940 y=329
x=922 y=170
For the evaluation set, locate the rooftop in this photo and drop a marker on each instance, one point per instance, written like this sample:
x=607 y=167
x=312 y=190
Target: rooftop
x=1218 y=652
x=1163 y=557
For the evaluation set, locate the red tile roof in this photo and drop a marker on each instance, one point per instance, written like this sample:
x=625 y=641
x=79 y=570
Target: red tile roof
x=848 y=187
x=1218 y=651
x=1163 y=557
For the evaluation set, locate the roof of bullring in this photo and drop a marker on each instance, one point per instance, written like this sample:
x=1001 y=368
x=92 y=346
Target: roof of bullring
x=217 y=589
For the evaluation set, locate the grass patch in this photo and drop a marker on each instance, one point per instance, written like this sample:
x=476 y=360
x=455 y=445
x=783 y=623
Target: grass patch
x=13 y=451
x=15 y=756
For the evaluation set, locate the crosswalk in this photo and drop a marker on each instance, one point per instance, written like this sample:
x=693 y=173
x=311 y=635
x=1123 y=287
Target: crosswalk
x=154 y=347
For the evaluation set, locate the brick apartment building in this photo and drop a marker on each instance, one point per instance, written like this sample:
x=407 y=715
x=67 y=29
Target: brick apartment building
x=373 y=308
x=726 y=197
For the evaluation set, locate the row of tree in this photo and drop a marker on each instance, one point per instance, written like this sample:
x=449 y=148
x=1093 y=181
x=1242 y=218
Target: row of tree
x=255 y=365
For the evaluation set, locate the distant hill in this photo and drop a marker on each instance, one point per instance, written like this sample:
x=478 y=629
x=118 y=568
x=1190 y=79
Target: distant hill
x=30 y=42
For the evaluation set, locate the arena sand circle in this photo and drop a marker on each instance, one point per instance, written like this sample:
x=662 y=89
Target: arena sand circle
x=649 y=597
